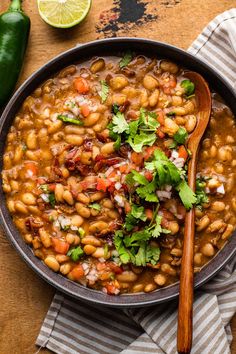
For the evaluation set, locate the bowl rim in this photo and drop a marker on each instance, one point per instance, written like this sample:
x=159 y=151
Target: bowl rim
x=58 y=281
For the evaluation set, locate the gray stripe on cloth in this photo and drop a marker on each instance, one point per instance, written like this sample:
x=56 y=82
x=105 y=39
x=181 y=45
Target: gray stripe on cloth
x=72 y=327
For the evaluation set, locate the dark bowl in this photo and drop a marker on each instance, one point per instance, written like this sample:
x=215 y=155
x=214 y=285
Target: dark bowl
x=77 y=54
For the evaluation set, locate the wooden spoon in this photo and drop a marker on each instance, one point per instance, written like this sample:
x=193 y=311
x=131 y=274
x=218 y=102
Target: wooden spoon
x=185 y=312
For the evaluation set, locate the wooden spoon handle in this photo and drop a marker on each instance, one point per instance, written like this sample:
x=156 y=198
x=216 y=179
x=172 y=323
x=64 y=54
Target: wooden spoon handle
x=185 y=311
x=185 y=314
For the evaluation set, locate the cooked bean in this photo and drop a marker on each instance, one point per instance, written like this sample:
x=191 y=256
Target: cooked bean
x=225 y=153
x=198 y=259
x=217 y=225
x=65 y=268
x=83 y=198
x=127 y=276
x=74 y=139
x=107 y=203
x=52 y=263
x=98 y=226
x=233 y=203
x=153 y=99
x=98 y=65
x=138 y=288
x=203 y=223
x=176 y=252
x=149 y=82
x=36 y=243
x=218 y=206
x=160 y=279
x=77 y=220
x=18 y=154
x=166 y=268
x=28 y=238
x=208 y=250
x=170 y=127
x=54 y=127
x=169 y=66
x=228 y=231
x=59 y=191
x=31 y=140
x=82 y=210
x=91 y=240
x=21 y=208
x=100 y=253
x=89 y=249
x=61 y=258
x=119 y=98
x=73 y=129
x=191 y=122
x=108 y=148
x=113 y=214
x=150 y=287
x=118 y=82
x=67 y=196
x=96 y=196
x=173 y=226
x=45 y=238
x=28 y=199
x=70 y=238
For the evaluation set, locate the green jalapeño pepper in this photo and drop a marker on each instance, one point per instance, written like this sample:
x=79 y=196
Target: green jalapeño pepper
x=14 y=33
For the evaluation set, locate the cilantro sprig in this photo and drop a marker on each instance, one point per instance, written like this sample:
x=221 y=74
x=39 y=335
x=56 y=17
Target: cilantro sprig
x=104 y=91
x=75 y=253
x=125 y=60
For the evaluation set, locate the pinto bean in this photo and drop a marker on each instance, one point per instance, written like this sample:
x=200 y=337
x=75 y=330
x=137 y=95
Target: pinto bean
x=191 y=122
x=149 y=82
x=108 y=148
x=169 y=67
x=91 y=240
x=82 y=210
x=160 y=279
x=150 y=287
x=67 y=196
x=98 y=226
x=208 y=250
x=118 y=82
x=28 y=199
x=228 y=231
x=97 y=65
x=203 y=223
x=170 y=127
x=52 y=263
x=127 y=276
x=59 y=191
x=92 y=119
x=74 y=139
x=45 y=238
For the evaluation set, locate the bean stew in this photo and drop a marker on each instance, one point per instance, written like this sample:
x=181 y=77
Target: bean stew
x=95 y=173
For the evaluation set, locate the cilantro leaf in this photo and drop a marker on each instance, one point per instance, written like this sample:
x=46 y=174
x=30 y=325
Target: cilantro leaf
x=75 y=253
x=104 y=91
x=188 y=87
x=52 y=200
x=147 y=192
x=148 y=120
x=119 y=123
x=124 y=254
x=139 y=140
x=67 y=119
x=135 y=177
x=136 y=238
x=132 y=218
x=125 y=60
x=117 y=143
x=95 y=206
x=152 y=254
x=181 y=136
x=186 y=194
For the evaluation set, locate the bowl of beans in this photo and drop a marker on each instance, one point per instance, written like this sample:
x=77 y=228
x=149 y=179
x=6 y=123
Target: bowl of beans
x=94 y=157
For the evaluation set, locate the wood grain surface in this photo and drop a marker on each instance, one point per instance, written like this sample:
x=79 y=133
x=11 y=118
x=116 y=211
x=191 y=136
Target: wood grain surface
x=24 y=298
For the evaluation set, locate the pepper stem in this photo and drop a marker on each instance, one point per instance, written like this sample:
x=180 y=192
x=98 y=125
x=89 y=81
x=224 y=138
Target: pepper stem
x=15 y=5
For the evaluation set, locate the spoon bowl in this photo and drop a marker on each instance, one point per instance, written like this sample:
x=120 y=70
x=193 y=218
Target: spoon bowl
x=185 y=312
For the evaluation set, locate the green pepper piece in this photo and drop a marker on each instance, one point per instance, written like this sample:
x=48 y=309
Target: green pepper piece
x=14 y=33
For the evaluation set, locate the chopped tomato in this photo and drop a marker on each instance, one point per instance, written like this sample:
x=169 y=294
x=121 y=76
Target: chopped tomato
x=77 y=272
x=112 y=287
x=115 y=268
x=52 y=187
x=106 y=275
x=100 y=266
x=81 y=85
x=127 y=207
x=148 y=175
x=160 y=133
x=149 y=152
x=31 y=169
x=103 y=184
x=149 y=213
x=60 y=246
x=137 y=158
x=84 y=185
x=85 y=110
x=161 y=118
x=183 y=153
x=42 y=180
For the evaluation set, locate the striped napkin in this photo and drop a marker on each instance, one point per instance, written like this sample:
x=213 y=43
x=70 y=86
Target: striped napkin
x=72 y=327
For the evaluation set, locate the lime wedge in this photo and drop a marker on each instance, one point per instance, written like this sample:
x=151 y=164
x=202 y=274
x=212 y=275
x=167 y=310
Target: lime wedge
x=63 y=13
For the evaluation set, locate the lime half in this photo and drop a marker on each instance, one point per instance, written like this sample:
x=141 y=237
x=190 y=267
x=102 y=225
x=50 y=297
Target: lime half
x=63 y=13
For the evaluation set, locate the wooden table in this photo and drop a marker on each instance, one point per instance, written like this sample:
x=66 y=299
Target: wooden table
x=24 y=298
